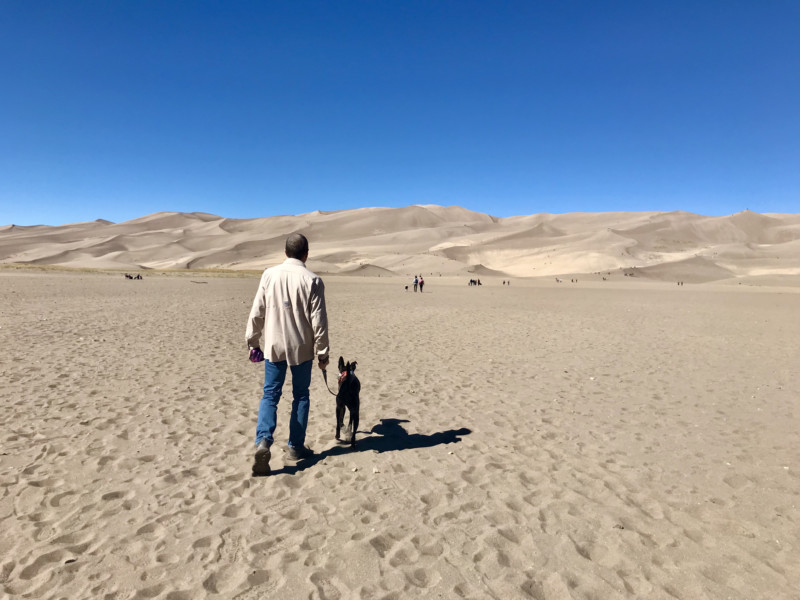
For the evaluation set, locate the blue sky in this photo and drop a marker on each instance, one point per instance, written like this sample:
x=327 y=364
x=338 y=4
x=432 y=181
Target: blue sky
x=115 y=110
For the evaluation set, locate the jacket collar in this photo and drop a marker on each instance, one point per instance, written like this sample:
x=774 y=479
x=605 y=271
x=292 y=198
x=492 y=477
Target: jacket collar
x=294 y=261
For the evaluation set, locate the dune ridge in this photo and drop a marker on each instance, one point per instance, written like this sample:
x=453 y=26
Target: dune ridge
x=447 y=240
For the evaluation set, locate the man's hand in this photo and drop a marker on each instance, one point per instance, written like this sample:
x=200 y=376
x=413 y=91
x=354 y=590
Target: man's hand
x=322 y=362
x=256 y=355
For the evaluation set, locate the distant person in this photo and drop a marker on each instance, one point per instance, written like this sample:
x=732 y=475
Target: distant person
x=416 y=283
x=421 y=283
x=289 y=308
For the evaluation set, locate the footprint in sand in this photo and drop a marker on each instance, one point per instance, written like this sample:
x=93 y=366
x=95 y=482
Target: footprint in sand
x=423 y=578
x=62 y=499
x=427 y=545
x=43 y=562
x=225 y=579
x=404 y=556
x=382 y=544
x=326 y=589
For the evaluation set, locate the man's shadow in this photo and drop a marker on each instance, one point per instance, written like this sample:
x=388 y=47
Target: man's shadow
x=387 y=436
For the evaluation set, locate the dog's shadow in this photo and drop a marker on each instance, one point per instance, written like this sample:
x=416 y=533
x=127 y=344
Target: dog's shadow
x=387 y=436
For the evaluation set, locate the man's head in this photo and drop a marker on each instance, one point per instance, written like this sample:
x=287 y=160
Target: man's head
x=297 y=246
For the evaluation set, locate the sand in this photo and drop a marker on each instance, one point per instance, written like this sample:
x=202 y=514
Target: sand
x=622 y=439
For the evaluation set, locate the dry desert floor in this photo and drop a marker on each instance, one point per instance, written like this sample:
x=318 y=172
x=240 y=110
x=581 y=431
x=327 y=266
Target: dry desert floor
x=546 y=441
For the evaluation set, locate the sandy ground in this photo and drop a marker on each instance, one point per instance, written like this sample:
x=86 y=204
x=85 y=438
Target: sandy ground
x=629 y=440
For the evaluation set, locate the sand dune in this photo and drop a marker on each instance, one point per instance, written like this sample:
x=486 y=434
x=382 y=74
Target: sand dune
x=691 y=270
x=370 y=270
x=431 y=239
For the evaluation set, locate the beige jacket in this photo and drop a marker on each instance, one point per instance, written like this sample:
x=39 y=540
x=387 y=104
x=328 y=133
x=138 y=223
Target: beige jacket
x=289 y=308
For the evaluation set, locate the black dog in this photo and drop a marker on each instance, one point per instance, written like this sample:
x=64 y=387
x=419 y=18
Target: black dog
x=348 y=396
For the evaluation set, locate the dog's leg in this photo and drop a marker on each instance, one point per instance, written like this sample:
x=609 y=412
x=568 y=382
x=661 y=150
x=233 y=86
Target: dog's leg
x=354 y=410
x=339 y=418
x=349 y=427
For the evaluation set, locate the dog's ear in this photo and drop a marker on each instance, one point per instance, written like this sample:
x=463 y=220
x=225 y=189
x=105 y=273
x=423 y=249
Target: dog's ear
x=341 y=364
x=353 y=365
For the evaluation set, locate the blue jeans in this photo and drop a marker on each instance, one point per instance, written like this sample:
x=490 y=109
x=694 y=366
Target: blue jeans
x=274 y=376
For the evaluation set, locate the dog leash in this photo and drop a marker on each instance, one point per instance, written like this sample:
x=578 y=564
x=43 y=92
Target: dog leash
x=325 y=377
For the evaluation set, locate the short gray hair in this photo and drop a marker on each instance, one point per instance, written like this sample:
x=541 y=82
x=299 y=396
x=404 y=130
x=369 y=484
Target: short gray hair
x=296 y=246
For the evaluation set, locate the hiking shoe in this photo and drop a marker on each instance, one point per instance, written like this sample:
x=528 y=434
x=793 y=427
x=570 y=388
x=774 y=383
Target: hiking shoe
x=261 y=462
x=298 y=453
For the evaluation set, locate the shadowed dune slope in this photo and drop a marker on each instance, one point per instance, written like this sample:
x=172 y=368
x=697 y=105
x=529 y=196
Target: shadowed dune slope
x=447 y=240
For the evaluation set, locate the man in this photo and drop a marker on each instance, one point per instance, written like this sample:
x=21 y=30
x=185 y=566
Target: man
x=289 y=308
